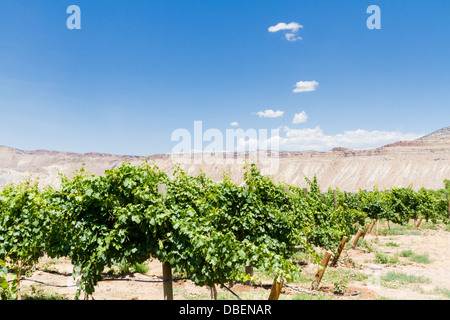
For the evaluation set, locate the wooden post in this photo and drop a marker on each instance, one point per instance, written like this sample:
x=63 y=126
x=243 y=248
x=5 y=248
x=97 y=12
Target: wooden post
x=167 y=284
x=276 y=289
x=321 y=272
x=365 y=231
x=339 y=251
x=371 y=225
x=355 y=241
x=166 y=267
x=19 y=287
x=418 y=223
x=249 y=270
x=213 y=292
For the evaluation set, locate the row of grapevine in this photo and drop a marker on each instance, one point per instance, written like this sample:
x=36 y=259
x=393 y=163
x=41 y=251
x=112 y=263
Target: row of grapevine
x=206 y=230
x=400 y=205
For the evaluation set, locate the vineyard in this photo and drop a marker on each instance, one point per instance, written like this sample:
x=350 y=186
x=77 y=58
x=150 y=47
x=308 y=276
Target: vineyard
x=211 y=233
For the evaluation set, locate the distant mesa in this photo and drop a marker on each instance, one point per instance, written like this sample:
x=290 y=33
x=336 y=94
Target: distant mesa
x=443 y=133
x=340 y=149
x=424 y=162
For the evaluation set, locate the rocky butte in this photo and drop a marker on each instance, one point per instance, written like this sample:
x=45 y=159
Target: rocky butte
x=424 y=162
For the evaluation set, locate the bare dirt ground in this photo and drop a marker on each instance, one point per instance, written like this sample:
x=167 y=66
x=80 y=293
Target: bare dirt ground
x=365 y=278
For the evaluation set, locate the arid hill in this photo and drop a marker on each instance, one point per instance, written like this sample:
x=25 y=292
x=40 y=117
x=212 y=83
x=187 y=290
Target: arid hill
x=421 y=163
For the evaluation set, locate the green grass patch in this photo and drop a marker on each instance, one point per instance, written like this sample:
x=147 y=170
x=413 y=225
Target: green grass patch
x=399 y=230
x=124 y=268
x=445 y=292
x=435 y=291
x=429 y=226
x=406 y=253
x=403 y=278
x=397 y=280
x=382 y=258
x=365 y=244
x=392 y=244
x=39 y=294
x=419 y=258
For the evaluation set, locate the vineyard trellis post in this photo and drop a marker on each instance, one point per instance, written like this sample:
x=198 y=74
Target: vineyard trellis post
x=249 y=268
x=249 y=271
x=418 y=223
x=355 y=241
x=339 y=251
x=166 y=267
x=321 y=272
x=213 y=290
x=365 y=231
x=276 y=289
x=371 y=225
x=19 y=285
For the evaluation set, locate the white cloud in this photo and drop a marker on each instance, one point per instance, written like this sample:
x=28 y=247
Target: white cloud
x=293 y=26
x=316 y=139
x=291 y=37
x=234 y=124
x=301 y=117
x=270 y=114
x=306 y=86
x=292 y=29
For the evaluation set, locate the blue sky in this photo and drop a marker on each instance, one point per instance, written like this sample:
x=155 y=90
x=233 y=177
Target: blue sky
x=138 y=70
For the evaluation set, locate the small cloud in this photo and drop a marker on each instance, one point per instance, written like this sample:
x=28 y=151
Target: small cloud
x=293 y=26
x=301 y=117
x=234 y=124
x=306 y=86
x=292 y=29
x=291 y=37
x=270 y=114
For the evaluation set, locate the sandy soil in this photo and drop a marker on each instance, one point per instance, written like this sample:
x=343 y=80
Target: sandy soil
x=435 y=243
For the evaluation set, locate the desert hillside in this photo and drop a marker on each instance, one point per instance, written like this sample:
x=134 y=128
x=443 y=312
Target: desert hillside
x=423 y=163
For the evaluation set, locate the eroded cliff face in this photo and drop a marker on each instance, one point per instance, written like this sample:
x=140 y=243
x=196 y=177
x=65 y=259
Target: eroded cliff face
x=423 y=163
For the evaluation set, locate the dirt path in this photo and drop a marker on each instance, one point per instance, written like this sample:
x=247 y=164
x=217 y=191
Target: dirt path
x=434 y=243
